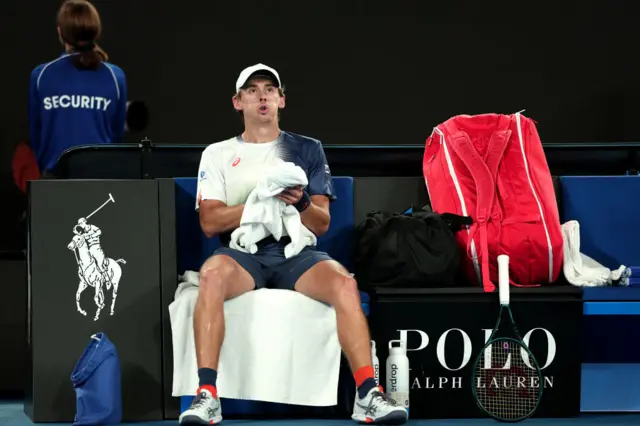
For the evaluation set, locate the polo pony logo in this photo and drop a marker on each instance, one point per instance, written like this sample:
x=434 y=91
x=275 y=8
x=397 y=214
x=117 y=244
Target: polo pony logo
x=94 y=268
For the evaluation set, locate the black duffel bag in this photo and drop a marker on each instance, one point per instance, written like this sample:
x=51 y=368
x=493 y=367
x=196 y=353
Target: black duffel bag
x=415 y=249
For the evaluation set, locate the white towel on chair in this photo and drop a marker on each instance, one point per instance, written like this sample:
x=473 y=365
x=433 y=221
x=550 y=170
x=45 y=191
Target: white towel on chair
x=580 y=269
x=265 y=215
x=280 y=346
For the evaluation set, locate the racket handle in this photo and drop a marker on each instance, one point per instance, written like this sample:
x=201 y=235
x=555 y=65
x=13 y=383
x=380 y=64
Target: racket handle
x=503 y=278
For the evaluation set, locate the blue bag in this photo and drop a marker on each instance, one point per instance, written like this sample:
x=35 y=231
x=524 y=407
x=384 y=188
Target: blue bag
x=96 y=380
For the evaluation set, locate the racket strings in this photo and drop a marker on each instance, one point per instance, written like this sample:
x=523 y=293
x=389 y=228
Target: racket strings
x=506 y=387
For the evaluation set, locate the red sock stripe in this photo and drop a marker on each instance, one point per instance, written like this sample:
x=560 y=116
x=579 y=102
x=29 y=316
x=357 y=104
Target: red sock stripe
x=211 y=389
x=363 y=374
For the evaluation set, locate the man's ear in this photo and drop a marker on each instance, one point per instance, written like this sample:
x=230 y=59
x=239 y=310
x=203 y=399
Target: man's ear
x=236 y=102
x=282 y=102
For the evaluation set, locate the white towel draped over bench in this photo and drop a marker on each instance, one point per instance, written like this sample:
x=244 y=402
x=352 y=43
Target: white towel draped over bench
x=280 y=346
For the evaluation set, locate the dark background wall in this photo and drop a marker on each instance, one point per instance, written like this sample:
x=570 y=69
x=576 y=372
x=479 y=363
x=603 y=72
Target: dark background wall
x=357 y=72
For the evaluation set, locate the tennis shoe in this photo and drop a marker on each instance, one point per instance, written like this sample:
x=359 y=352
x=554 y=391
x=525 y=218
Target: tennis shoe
x=204 y=410
x=376 y=408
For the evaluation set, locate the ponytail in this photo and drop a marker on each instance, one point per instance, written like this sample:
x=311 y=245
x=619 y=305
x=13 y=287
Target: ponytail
x=89 y=59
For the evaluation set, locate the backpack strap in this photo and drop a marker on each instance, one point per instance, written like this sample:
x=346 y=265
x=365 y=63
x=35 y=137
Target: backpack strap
x=495 y=151
x=485 y=194
x=493 y=156
x=484 y=172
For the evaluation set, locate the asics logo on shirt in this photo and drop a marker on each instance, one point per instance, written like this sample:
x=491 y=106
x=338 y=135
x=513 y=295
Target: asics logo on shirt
x=76 y=101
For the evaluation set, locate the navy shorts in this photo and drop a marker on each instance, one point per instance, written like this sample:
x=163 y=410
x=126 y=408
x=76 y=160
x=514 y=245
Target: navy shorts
x=268 y=266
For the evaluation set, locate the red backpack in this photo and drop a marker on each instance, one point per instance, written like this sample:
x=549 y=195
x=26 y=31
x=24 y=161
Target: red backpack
x=492 y=168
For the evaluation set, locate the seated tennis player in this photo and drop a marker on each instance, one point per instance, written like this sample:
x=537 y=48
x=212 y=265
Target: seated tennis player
x=229 y=171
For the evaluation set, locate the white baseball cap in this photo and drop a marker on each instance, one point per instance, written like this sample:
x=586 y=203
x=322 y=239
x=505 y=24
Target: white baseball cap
x=255 y=70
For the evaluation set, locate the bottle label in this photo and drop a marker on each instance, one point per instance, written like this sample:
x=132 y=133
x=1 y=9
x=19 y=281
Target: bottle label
x=401 y=398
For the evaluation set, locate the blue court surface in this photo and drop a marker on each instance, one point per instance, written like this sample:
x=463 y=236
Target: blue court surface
x=12 y=414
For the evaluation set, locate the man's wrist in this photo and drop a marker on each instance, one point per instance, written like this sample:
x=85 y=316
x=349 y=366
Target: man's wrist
x=304 y=202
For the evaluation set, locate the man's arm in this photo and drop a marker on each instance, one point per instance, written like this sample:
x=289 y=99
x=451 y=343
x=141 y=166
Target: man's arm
x=317 y=217
x=216 y=217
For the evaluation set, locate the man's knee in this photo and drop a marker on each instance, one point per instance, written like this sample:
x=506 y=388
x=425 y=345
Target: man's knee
x=344 y=290
x=215 y=273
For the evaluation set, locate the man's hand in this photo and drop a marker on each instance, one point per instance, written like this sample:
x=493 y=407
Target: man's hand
x=291 y=196
x=314 y=212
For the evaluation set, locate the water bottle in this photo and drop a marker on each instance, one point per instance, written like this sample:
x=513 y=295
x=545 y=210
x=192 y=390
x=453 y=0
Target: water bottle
x=398 y=374
x=376 y=362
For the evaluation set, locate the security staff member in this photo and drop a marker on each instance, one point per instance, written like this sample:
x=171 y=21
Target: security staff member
x=79 y=98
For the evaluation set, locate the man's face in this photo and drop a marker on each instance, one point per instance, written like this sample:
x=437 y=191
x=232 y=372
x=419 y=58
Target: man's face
x=259 y=100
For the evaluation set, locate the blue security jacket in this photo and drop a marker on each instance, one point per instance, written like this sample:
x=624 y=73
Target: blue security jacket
x=70 y=107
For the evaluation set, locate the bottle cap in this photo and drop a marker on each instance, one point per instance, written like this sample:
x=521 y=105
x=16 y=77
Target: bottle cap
x=397 y=350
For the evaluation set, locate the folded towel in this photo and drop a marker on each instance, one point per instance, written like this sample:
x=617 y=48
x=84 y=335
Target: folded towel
x=264 y=215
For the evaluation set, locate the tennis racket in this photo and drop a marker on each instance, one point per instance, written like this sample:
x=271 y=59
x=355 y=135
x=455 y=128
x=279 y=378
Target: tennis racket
x=506 y=380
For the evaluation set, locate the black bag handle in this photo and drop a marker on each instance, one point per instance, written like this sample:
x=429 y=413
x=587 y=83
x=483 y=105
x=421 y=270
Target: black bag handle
x=454 y=222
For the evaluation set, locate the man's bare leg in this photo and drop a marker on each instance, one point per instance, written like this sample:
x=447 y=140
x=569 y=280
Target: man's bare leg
x=330 y=282
x=221 y=278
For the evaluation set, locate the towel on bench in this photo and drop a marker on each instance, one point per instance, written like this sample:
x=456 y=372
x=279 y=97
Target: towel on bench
x=280 y=346
x=580 y=269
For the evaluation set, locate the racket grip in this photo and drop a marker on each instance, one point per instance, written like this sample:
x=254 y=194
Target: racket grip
x=503 y=278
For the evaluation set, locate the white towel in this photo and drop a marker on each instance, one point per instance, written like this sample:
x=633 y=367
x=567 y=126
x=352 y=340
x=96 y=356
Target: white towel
x=580 y=269
x=265 y=215
x=280 y=346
